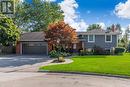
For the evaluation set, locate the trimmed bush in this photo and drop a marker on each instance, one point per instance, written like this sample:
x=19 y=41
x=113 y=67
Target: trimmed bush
x=82 y=52
x=120 y=50
x=89 y=51
x=54 y=54
x=64 y=54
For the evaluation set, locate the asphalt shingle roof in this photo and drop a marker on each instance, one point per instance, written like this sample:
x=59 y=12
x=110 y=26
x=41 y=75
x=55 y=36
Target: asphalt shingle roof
x=99 y=32
x=40 y=36
x=33 y=36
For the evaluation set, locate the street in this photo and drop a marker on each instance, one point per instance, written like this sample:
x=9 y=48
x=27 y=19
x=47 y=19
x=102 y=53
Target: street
x=30 y=79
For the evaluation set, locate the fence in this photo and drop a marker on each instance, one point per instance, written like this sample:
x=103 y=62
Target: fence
x=7 y=50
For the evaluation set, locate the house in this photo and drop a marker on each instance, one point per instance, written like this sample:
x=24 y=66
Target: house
x=32 y=43
x=101 y=38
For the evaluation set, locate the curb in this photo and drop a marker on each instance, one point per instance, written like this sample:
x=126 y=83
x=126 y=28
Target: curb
x=86 y=73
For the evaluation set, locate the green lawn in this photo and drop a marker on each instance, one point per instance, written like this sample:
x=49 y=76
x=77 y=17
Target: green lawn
x=116 y=65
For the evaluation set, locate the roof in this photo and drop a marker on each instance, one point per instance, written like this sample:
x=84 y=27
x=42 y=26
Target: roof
x=40 y=36
x=33 y=36
x=99 y=32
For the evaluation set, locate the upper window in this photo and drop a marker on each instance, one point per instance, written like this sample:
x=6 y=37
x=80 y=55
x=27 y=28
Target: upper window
x=80 y=36
x=91 y=38
x=108 y=38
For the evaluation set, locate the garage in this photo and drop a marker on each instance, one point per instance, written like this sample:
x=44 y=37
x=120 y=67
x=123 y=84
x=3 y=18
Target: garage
x=34 y=48
x=32 y=43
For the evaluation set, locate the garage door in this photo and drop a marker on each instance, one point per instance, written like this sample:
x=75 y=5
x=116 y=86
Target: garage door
x=34 y=49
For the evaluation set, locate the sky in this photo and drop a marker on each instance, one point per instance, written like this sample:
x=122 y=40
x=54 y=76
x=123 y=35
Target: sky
x=80 y=13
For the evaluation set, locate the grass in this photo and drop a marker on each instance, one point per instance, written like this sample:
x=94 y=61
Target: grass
x=115 y=65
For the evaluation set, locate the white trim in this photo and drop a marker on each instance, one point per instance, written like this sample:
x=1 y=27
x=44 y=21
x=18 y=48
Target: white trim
x=108 y=41
x=93 y=39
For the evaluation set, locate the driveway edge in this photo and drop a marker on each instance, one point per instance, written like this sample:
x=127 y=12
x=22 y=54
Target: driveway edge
x=87 y=73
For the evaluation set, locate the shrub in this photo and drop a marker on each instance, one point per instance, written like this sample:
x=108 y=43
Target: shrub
x=98 y=50
x=82 y=53
x=64 y=54
x=89 y=52
x=129 y=48
x=54 y=54
x=86 y=52
x=108 y=52
x=112 y=51
x=120 y=50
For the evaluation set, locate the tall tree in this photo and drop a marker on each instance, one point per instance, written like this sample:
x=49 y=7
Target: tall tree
x=9 y=33
x=60 y=34
x=94 y=26
x=115 y=27
x=125 y=39
x=36 y=16
x=118 y=27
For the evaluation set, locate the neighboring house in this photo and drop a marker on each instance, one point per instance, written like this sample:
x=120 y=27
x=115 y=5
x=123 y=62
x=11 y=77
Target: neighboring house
x=32 y=43
x=101 y=38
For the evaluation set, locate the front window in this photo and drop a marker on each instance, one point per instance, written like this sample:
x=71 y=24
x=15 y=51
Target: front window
x=91 y=38
x=108 y=38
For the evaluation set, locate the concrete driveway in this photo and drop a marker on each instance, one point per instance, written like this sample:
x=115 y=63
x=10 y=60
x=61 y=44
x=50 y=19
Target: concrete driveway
x=10 y=63
x=15 y=60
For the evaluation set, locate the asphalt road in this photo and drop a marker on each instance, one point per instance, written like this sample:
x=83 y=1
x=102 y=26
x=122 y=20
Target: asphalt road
x=59 y=80
x=16 y=61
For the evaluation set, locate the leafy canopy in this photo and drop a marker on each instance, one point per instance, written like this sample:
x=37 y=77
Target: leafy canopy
x=8 y=31
x=115 y=27
x=93 y=26
x=36 y=16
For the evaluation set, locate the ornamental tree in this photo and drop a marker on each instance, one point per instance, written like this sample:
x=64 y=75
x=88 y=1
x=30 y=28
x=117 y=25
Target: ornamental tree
x=9 y=33
x=60 y=34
